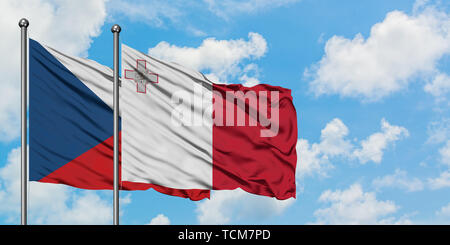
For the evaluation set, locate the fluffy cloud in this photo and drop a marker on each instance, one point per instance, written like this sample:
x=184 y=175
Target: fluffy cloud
x=372 y=148
x=388 y=60
x=440 y=182
x=226 y=207
x=250 y=75
x=315 y=158
x=311 y=160
x=68 y=26
x=227 y=8
x=332 y=138
x=400 y=180
x=439 y=86
x=354 y=206
x=85 y=208
x=49 y=203
x=160 y=219
x=222 y=59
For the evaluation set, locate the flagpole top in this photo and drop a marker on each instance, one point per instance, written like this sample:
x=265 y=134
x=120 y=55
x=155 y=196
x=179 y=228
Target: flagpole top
x=24 y=23
x=115 y=28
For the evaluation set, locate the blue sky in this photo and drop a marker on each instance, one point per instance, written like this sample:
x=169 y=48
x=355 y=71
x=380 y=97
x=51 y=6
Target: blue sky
x=370 y=82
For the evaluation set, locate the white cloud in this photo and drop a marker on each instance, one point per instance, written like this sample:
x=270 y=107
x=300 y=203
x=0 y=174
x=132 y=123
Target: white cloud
x=125 y=200
x=372 y=148
x=250 y=75
x=9 y=109
x=311 y=160
x=230 y=206
x=160 y=219
x=249 y=81
x=445 y=153
x=385 y=62
x=439 y=86
x=400 y=180
x=68 y=26
x=444 y=211
x=402 y=220
x=316 y=158
x=332 y=138
x=194 y=31
x=87 y=208
x=227 y=8
x=220 y=58
x=354 y=206
x=440 y=182
x=419 y=5
x=439 y=131
x=50 y=203
x=443 y=180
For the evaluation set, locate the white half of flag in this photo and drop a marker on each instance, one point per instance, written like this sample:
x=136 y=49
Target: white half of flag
x=153 y=150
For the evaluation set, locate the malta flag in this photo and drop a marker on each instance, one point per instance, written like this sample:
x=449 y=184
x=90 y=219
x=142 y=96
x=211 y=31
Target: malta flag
x=180 y=130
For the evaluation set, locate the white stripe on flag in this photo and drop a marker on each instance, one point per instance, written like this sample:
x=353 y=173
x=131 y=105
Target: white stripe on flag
x=154 y=149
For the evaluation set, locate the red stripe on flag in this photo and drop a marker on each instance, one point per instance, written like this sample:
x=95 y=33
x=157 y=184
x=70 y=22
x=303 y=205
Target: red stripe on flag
x=93 y=170
x=241 y=157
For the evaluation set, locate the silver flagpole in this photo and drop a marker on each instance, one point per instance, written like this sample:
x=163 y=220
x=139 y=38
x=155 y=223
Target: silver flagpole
x=116 y=30
x=23 y=24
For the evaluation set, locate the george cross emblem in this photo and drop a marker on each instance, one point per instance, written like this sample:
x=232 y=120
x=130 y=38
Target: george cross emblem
x=141 y=76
